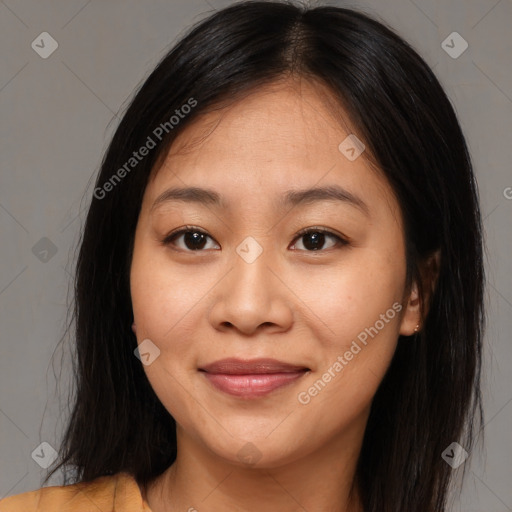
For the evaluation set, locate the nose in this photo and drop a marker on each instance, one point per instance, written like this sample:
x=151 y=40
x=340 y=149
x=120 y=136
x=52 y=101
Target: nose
x=252 y=297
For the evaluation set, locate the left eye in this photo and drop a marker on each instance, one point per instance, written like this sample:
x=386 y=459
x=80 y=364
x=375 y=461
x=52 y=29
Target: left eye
x=315 y=239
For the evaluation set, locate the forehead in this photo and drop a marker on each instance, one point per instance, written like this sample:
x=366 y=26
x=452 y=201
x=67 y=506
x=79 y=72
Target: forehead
x=278 y=137
x=282 y=121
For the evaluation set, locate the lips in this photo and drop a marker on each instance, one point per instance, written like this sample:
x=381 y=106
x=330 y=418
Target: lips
x=251 y=379
x=233 y=366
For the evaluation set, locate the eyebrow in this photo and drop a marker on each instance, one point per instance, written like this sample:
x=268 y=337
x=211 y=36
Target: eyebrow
x=292 y=198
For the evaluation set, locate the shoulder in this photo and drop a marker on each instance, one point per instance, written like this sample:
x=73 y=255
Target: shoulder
x=105 y=494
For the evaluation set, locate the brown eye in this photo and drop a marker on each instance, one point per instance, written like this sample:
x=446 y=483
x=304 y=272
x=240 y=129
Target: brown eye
x=193 y=239
x=314 y=239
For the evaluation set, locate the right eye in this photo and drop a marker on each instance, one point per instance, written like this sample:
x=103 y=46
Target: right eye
x=193 y=238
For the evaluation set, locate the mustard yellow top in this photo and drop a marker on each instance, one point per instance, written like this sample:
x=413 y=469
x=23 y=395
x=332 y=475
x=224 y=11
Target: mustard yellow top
x=115 y=493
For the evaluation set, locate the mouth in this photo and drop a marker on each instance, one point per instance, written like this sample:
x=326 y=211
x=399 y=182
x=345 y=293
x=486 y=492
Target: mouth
x=251 y=379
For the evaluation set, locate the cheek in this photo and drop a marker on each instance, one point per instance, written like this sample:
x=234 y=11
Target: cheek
x=359 y=308
x=352 y=295
x=163 y=306
x=166 y=302
x=355 y=355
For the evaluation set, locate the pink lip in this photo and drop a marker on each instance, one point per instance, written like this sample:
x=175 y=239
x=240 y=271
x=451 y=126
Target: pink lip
x=251 y=379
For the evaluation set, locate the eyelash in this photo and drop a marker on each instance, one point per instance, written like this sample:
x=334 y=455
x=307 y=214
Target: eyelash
x=175 y=234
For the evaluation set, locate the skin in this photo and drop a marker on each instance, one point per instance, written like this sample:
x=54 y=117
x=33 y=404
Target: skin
x=292 y=303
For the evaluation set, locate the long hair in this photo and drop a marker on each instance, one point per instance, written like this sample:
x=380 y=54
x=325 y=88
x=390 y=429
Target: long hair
x=430 y=395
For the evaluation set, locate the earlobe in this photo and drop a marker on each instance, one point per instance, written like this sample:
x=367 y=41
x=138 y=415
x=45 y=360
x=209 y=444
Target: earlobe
x=411 y=319
x=134 y=328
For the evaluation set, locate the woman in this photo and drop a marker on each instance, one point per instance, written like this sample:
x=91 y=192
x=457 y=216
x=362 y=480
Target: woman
x=279 y=286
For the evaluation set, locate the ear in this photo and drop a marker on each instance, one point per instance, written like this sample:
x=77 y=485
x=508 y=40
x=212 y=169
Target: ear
x=413 y=316
x=134 y=328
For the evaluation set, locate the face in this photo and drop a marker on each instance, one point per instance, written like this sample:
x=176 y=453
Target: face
x=315 y=281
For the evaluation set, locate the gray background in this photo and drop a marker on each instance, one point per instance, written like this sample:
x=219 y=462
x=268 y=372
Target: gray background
x=57 y=116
